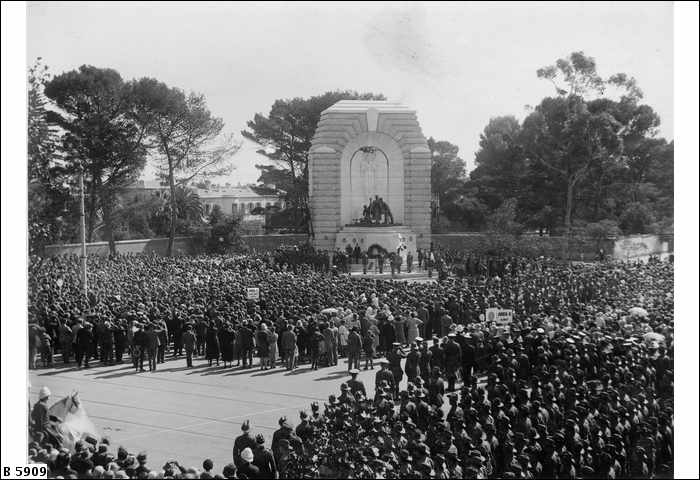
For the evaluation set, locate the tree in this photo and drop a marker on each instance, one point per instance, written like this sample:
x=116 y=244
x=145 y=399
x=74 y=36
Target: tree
x=216 y=216
x=636 y=218
x=184 y=133
x=577 y=131
x=502 y=220
x=49 y=197
x=599 y=231
x=102 y=137
x=446 y=171
x=285 y=135
x=499 y=162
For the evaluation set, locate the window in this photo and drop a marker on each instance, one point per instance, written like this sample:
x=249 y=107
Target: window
x=250 y=206
x=233 y=208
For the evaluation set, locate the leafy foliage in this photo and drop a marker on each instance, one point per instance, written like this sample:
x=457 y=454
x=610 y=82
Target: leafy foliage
x=184 y=134
x=285 y=136
x=102 y=137
x=578 y=158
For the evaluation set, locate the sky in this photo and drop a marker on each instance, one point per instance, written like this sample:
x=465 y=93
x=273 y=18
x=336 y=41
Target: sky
x=457 y=65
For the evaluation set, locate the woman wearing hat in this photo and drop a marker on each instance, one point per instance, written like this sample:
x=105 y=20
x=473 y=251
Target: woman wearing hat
x=246 y=469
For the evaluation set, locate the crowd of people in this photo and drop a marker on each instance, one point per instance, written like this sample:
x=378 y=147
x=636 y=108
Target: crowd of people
x=579 y=385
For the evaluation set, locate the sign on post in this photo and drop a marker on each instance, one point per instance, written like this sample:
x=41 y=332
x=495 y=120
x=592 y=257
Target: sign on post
x=253 y=294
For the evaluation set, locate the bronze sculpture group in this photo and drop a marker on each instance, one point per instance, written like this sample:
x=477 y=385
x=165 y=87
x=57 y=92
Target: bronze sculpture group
x=377 y=212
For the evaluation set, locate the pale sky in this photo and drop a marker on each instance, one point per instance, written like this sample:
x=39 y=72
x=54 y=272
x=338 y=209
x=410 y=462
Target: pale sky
x=457 y=65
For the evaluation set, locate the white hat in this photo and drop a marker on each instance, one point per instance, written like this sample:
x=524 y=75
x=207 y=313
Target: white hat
x=44 y=393
x=247 y=454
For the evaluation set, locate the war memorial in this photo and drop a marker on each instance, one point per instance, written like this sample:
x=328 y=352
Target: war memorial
x=369 y=179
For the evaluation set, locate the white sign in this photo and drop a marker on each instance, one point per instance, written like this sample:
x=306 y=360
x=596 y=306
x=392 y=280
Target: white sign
x=253 y=294
x=501 y=317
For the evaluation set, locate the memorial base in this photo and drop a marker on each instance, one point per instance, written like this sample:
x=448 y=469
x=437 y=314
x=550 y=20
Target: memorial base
x=387 y=237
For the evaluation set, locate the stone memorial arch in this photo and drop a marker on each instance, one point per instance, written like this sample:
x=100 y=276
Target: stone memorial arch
x=369 y=178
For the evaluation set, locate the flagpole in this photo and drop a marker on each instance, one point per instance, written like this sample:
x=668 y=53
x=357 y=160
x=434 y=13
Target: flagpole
x=83 y=248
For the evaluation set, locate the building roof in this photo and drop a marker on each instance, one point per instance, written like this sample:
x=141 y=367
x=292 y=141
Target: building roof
x=356 y=106
x=218 y=192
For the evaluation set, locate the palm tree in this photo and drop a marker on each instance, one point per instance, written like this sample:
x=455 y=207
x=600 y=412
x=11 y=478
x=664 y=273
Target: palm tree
x=188 y=205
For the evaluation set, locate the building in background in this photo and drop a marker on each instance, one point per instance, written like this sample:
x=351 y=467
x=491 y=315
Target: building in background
x=240 y=201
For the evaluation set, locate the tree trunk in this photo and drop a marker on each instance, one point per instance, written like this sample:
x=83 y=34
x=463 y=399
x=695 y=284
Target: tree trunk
x=569 y=205
x=171 y=182
x=92 y=212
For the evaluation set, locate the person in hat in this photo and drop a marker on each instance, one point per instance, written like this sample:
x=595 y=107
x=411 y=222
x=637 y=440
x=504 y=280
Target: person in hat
x=453 y=361
x=189 y=341
x=355 y=384
x=346 y=397
x=368 y=345
x=263 y=459
x=243 y=441
x=394 y=357
x=286 y=432
x=40 y=412
x=142 y=469
x=229 y=471
x=384 y=375
x=85 y=339
x=304 y=430
x=246 y=468
x=354 y=348
x=413 y=363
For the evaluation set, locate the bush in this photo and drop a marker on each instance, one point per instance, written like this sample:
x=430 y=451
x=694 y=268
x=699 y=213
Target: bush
x=636 y=218
x=502 y=220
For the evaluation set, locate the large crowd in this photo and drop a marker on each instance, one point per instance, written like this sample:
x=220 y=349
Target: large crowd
x=579 y=385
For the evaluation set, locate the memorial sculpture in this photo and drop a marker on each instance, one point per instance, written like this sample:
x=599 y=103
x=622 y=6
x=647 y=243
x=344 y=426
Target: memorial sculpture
x=369 y=179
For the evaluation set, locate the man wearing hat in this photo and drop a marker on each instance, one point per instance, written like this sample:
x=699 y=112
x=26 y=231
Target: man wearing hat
x=394 y=357
x=189 y=340
x=354 y=349
x=263 y=459
x=384 y=374
x=413 y=363
x=40 y=412
x=286 y=432
x=243 y=441
x=84 y=340
x=355 y=384
x=453 y=361
x=346 y=397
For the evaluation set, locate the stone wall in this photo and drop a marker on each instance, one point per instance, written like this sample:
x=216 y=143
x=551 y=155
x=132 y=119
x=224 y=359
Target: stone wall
x=183 y=245
x=579 y=249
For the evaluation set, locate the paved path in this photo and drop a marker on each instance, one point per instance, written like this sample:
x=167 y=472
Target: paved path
x=191 y=414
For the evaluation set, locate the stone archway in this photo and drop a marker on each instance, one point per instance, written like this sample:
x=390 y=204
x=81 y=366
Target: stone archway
x=390 y=152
